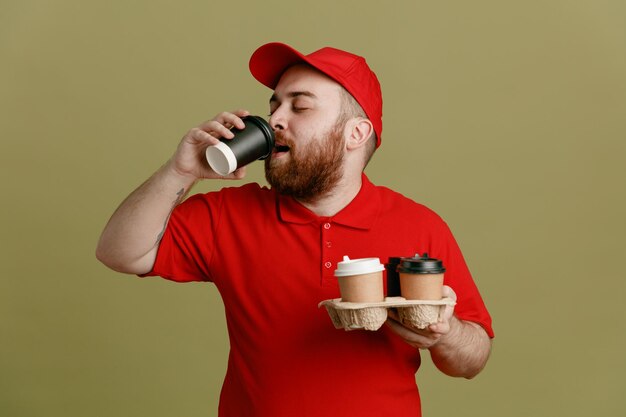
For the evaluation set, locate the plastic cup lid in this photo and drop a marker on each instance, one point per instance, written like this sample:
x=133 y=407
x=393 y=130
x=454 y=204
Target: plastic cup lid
x=360 y=266
x=421 y=265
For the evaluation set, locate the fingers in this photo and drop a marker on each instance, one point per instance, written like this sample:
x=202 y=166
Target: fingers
x=421 y=339
x=210 y=132
x=241 y=113
x=199 y=135
x=190 y=155
x=449 y=292
x=220 y=126
x=428 y=337
x=444 y=320
x=238 y=174
x=441 y=327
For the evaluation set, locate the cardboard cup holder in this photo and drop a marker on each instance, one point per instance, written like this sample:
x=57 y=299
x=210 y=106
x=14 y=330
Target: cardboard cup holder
x=418 y=314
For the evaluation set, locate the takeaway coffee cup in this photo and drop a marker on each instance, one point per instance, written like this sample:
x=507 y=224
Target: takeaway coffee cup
x=360 y=280
x=393 y=279
x=255 y=141
x=421 y=278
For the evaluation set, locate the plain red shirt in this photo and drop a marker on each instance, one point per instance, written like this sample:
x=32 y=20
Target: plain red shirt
x=272 y=261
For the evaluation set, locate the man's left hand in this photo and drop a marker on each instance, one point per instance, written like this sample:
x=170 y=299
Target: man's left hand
x=429 y=336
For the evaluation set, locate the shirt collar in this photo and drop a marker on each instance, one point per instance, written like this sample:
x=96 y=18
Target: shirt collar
x=360 y=213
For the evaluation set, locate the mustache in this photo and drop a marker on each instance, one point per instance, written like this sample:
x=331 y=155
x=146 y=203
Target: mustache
x=280 y=137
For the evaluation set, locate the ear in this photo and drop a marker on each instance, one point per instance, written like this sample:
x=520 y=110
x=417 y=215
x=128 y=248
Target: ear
x=359 y=130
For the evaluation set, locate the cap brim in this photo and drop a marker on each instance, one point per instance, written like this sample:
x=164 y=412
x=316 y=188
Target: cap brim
x=270 y=61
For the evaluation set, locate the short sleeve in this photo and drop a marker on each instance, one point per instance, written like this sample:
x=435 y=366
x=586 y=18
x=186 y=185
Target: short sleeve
x=470 y=305
x=188 y=240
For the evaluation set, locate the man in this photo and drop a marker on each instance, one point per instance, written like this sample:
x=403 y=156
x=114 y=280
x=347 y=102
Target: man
x=272 y=252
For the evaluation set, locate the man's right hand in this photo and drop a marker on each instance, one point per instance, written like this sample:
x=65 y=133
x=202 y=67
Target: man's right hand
x=189 y=159
x=131 y=238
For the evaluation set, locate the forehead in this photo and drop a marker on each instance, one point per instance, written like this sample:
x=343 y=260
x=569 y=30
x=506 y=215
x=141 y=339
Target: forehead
x=302 y=78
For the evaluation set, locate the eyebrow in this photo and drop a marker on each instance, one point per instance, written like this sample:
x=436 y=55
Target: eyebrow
x=293 y=94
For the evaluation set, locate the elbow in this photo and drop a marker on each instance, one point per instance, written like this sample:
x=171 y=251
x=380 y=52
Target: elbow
x=467 y=372
x=102 y=255
x=466 y=362
x=105 y=257
x=120 y=264
x=477 y=366
x=472 y=373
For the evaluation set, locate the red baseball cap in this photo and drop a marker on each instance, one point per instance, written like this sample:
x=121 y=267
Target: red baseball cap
x=270 y=61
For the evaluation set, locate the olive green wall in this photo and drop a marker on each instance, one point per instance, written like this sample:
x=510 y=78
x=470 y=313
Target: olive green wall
x=507 y=118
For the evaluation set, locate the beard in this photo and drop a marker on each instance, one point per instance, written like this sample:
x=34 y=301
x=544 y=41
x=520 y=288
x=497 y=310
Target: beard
x=310 y=172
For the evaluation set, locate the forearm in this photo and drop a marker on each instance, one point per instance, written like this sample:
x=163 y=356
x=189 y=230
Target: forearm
x=130 y=240
x=464 y=351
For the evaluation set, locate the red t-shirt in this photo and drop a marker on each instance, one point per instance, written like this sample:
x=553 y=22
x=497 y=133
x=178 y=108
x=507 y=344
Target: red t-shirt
x=272 y=261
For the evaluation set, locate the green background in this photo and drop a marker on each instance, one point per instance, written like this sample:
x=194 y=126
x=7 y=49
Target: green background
x=507 y=118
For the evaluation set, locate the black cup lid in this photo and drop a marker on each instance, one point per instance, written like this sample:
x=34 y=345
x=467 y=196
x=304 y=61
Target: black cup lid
x=421 y=265
x=393 y=261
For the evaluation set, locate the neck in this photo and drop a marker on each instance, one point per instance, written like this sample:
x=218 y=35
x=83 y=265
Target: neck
x=333 y=202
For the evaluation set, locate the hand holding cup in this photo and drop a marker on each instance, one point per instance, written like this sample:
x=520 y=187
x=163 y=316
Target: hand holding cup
x=190 y=160
x=252 y=142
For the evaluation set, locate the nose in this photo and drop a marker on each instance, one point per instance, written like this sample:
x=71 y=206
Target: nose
x=277 y=120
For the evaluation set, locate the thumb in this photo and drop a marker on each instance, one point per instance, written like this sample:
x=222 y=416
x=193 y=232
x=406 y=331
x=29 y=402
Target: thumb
x=238 y=174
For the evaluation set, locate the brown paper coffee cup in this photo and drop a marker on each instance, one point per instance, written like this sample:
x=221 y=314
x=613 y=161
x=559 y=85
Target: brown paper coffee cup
x=421 y=278
x=421 y=286
x=360 y=280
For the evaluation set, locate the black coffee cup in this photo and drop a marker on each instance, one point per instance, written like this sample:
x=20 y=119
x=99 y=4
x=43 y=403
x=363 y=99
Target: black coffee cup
x=393 y=278
x=251 y=143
